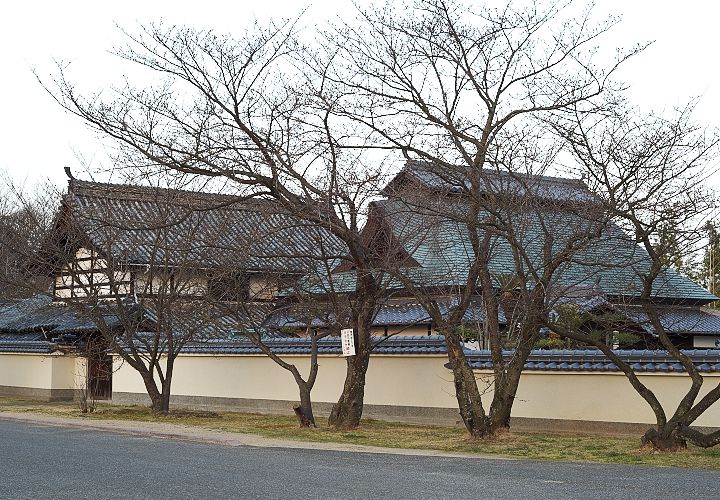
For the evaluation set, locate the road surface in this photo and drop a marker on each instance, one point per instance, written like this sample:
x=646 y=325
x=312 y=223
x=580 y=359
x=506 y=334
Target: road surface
x=63 y=462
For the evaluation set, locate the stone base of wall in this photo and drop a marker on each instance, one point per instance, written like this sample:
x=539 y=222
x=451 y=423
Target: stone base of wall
x=406 y=414
x=578 y=427
x=38 y=394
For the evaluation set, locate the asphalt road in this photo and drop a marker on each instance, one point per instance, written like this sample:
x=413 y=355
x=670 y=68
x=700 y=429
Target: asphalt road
x=60 y=462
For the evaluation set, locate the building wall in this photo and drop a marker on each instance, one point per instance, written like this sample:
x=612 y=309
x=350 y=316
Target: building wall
x=606 y=397
x=87 y=268
x=413 y=388
x=402 y=331
x=41 y=376
x=263 y=288
x=706 y=342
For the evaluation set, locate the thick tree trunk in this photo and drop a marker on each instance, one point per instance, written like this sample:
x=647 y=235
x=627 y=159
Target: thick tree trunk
x=505 y=390
x=159 y=398
x=699 y=439
x=664 y=438
x=165 y=398
x=466 y=390
x=347 y=412
x=506 y=384
x=155 y=395
x=501 y=406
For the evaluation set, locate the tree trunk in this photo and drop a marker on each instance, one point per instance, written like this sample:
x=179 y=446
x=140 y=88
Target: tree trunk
x=506 y=383
x=698 y=438
x=505 y=390
x=501 y=406
x=153 y=392
x=347 y=412
x=159 y=398
x=304 y=411
x=165 y=398
x=664 y=438
x=166 y=384
x=466 y=389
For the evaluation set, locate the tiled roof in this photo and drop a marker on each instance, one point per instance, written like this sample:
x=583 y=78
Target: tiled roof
x=585 y=303
x=293 y=319
x=590 y=360
x=495 y=181
x=610 y=264
x=40 y=314
x=328 y=345
x=691 y=320
x=391 y=313
x=706 y=360
x=25 y=343
x=143 y=225
x=405 y=313
x=441 y=246
x=202 y=320
x=40 y=318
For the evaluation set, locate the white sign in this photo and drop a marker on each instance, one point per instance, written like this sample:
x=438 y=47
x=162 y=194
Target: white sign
x=348 y=342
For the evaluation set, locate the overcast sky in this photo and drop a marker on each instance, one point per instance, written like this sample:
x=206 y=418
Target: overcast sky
x=37 y=139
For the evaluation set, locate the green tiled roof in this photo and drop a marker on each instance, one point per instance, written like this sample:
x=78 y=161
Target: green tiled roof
x=611 y=263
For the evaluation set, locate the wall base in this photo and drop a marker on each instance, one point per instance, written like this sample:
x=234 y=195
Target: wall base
x=38 y=394
x=407 y=414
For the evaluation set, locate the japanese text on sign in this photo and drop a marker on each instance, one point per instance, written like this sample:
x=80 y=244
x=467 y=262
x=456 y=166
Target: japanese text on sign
x=348 y=342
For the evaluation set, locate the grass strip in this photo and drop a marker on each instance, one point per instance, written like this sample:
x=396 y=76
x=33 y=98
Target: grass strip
x=528 y=445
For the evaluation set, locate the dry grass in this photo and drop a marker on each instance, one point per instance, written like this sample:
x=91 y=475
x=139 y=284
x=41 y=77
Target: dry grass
x=620 y=450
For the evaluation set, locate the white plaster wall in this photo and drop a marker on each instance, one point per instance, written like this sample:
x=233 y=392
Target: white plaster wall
x=705 y=342
x=69 y=372
x=263 y=288
x=391 y=380
x=422 y=381
x=80 y=277
x=190 y=285
x=26 y=370
x=604 y=397
x=39 y=371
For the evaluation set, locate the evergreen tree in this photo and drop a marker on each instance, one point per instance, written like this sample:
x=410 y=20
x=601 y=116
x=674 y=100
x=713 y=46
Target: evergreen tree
x=669 y=247
x=711 y=260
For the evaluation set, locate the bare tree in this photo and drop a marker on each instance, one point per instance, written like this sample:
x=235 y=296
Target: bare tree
x=257 y=121
x=651 y=172
x=135 y=266
x=264 y=305
x=464 y=88
x=132 y=260
x=26 y=216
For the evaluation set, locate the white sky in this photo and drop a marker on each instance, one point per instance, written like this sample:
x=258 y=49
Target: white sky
x=37 y=139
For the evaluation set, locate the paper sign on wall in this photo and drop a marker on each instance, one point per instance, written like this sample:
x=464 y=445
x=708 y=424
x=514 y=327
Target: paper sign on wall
x=348 y=342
